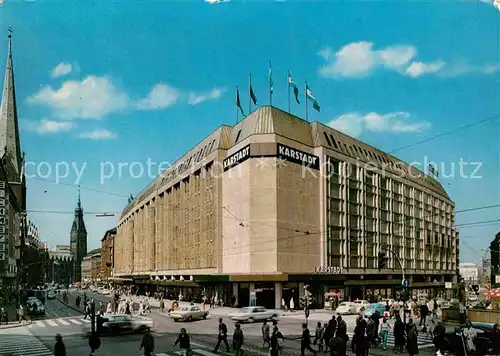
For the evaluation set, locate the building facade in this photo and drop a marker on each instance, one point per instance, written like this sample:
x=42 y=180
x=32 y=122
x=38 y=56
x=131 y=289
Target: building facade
x=78 y=241
x=469 y=272
x=61 y=265
x=107 y=254
x=13 y=227
x=91 y=266
x=495 y=261
x=257 y=210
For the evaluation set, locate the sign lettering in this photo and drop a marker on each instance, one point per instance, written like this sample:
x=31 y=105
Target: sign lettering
x=328 y=270
x=2 y=247
x=3 y=229
x=2 y=184
x=3 y=202
x=2 y=256
x=296 y=156
x=2 y=194
x=3 y=239
x=236 y=158
x=3 y=220
x=3 y=211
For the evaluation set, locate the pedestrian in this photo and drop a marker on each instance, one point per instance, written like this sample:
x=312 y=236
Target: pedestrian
x=318 y=336
x=424 y=310
x=20 y=311
x=238 y=340
x=399 y=335
x=292 y=305
x=147 y=343
x=266 y=332
x=439 y=333
x=162 y=305
x=222 y=336
x=412 y=338
x=94 y=342
x=384 y=332
x=109 y=308
x=338 y=346
x=184 y=342
x=359 y=333
x=276 y=343
x=305 y=341
x=59 y=347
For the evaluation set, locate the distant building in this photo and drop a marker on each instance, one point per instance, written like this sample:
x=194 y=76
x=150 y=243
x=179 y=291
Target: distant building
x=107 y=253
x=91 y=266
x=35 y=256
x=60 y=266
x=469 y=272
x=495 y=261
x=78 y=239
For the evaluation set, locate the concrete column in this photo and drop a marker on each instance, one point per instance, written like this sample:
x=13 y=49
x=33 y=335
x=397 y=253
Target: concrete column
x=253 y=296
x=301 y=290
x=236 y=292
x=278 y=294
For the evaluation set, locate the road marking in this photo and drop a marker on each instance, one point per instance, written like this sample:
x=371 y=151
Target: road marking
x=161 y=354
x=51 y=322
x=39 y=323
x=74 y=321
x=86 y=321
x=204 y=353
x=63 y=322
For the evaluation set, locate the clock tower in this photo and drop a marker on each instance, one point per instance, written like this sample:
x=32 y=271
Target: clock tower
x=78 y=241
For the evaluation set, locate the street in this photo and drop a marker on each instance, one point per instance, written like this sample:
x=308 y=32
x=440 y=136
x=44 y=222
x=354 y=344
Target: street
x=65 y=320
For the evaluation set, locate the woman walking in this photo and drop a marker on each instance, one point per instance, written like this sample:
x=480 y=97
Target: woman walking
x=184 y=342
x=384 y=332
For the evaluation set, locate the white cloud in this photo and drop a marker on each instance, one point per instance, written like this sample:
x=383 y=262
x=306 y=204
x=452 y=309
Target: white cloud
x=46 y=126
x=98 y=134
x=198 y=98
x=92 y=98
x=417 y=69
x=355 y=124
x=359 y=59
x=61 y=70
x=161 y=96
x=216 y=1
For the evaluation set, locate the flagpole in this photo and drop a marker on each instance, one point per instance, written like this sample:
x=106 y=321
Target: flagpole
x=305 y=93
x=237 y=105
x=249 y=96
x=288 y=88
x=270 y=85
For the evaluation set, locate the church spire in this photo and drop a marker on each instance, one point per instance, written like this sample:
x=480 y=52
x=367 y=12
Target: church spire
x=9 y=126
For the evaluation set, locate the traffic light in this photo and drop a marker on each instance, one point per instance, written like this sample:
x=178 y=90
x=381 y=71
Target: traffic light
x=302 y=302
x=382 y=258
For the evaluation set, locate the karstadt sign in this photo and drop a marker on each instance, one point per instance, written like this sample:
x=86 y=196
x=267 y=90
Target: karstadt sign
x=296 y=156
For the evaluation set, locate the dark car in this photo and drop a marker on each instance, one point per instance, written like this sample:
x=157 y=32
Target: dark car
x=487 y=340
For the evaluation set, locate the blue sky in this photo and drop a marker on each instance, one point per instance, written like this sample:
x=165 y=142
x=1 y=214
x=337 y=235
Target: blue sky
x=128 y=81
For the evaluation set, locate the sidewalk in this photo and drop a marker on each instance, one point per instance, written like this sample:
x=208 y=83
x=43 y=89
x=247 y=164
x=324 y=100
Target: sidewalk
x=12 y=315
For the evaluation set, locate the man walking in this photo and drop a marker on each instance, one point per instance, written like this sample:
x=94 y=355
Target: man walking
x=222 y=337
x=305 y=341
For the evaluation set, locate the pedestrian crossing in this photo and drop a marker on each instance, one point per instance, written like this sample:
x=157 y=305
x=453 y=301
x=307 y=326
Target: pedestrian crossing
x=21 y=342
x=193 y=352
x=59 y=322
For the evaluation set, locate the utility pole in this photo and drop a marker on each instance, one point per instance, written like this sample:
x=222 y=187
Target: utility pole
x=306 y=302
x=382 y=258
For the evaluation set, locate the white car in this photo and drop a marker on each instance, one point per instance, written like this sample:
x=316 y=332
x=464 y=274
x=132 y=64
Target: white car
x=361 y=305
x=346 y=308
x=253 y=314
x=189 y=313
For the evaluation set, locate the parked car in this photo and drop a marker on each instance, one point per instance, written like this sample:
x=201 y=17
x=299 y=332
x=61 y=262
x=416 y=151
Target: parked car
x=369 y=310
x=253 y=314
x=486 y=342
x=122 y=323
x=346 y=308
x=361 y=305
x=188 y=313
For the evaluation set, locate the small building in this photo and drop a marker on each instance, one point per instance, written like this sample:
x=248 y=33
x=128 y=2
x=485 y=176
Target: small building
x=91 y=266
x=107 y=254
x=469 y=272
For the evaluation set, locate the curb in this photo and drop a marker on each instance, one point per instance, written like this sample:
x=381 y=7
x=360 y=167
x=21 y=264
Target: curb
x=70 y=306
x=16 y=325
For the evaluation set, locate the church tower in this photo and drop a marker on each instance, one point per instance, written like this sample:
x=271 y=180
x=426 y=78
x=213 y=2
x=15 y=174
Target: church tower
x=78 y=240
